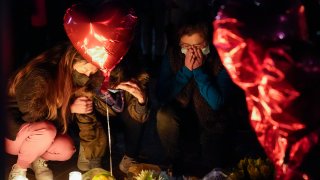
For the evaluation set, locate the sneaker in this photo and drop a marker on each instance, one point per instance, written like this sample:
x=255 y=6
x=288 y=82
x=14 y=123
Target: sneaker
x=41 y=170
x=85 y=164
x=126 y=163
x=17 y=173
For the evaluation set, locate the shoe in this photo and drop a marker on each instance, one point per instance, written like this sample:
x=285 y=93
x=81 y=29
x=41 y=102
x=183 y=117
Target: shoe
x=17 y=173
x=126 y=163
x=41 y=170
x=85 y=164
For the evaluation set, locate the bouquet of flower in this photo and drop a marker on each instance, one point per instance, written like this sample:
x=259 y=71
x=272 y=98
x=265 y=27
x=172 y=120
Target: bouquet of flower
x=97 y=174
x=144 y=171
x=249 y=168
x=151 y=175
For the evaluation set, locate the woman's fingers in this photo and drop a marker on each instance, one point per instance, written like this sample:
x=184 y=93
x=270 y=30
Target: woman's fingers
x=130 y=84
x=133 y=89
x=82 y=105
x=198 y=53
x=82 y=98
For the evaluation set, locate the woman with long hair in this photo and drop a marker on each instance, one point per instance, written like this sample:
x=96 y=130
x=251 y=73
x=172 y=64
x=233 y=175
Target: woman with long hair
x=40 y=105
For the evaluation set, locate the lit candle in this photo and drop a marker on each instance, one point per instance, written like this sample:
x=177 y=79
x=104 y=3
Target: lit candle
x=20 y=177
x=75 y=175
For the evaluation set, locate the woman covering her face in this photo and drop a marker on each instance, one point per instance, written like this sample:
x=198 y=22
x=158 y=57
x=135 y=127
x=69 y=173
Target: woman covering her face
x=195 y=93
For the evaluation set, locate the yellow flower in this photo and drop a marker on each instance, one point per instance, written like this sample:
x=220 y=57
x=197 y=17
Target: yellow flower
x=102 y=176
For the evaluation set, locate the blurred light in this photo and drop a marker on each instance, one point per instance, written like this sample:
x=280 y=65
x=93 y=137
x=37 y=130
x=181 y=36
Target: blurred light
x=20 y=177
x=75 y=175
x=281 y=35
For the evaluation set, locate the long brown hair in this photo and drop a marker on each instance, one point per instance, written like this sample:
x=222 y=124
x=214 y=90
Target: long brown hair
x=58 y=63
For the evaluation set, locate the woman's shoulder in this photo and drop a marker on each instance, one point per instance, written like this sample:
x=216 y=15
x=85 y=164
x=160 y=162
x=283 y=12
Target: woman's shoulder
x=38 y=77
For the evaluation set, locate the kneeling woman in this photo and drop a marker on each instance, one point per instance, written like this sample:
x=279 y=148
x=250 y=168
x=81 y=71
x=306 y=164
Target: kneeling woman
x=39 y=112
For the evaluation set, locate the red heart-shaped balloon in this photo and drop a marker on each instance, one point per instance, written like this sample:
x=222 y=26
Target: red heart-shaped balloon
x=101 y=35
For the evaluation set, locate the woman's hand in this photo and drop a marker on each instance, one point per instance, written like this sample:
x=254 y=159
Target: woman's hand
x=189 y=58
x=193 y=58
x=82 y=105
x=133 y=89
x=198 y=58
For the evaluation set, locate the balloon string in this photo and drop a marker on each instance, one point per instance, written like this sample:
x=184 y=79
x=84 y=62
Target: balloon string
x=109 y=137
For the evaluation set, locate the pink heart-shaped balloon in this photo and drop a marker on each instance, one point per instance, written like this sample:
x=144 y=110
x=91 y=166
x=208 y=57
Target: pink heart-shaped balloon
x=101 y=35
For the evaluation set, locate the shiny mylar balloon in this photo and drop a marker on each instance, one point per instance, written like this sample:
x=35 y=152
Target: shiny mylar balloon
x=102 y=34
x=280 y=74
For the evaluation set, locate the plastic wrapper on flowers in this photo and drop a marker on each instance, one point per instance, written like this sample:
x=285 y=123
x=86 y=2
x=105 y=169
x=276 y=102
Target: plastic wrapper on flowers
x=264 y=47
x=249 y=168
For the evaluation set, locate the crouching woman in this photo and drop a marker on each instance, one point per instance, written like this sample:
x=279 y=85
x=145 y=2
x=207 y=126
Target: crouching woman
x=39 y=110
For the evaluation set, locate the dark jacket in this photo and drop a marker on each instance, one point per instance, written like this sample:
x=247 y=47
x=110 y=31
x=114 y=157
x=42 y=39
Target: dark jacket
x=28 y=104
x=92 y=133
x=91 y=89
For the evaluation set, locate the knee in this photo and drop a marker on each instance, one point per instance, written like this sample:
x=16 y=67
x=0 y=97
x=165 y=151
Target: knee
x=167 y=121
x=46 y=129
x=65 y=142
x=165 y=117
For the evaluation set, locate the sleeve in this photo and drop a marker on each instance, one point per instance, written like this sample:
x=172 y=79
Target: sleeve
x=139 y=112
x=214 y=92
x=170 y=84
x=30 y=95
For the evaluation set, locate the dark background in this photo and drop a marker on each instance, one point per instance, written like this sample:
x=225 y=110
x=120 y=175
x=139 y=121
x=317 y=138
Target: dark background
x=21 y=39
